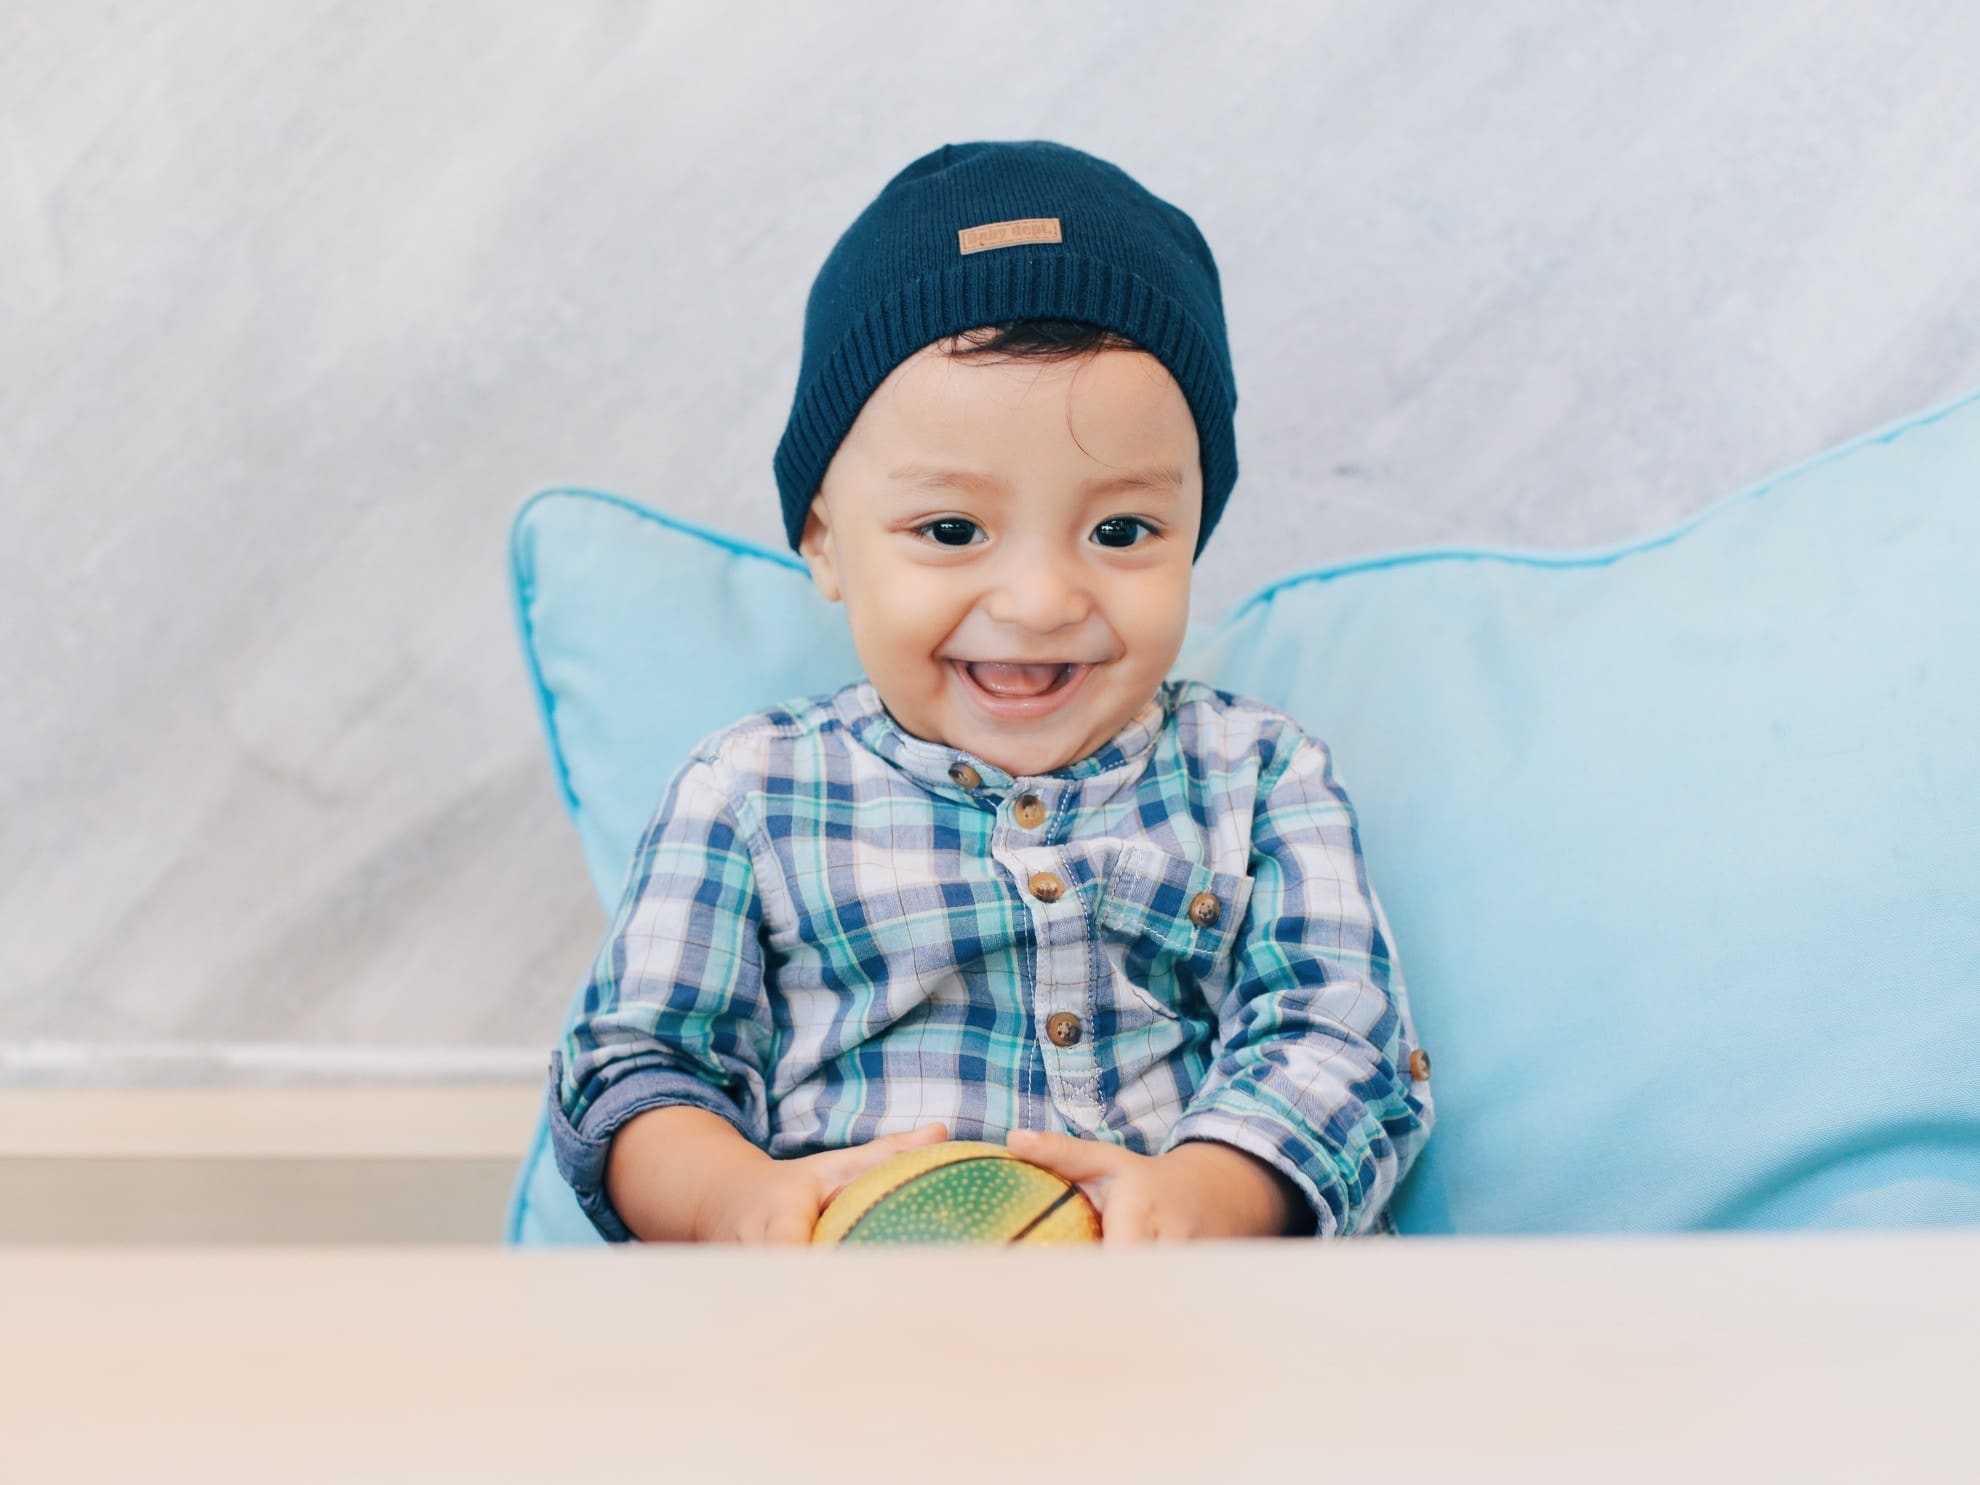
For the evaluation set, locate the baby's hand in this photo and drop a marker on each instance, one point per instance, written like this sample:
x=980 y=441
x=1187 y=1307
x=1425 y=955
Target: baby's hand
x=1198 y=1190
x=782 y=1204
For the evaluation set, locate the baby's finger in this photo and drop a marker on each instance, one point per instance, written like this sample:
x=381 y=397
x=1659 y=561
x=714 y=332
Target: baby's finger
x=864 y=1157
x=788 y=1227
x=1075 y=1159
x=1123 y=1226
x=920 y=1135
x=875 y=1151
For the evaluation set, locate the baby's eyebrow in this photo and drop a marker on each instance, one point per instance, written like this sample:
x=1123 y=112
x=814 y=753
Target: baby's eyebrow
x=1166 y=477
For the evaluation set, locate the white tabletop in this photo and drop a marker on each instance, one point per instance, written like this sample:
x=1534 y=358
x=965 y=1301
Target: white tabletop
x=1807 y=1356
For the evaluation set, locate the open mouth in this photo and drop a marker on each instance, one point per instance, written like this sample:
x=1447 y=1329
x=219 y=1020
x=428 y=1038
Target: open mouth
x=999 y=690
x=1017 y=680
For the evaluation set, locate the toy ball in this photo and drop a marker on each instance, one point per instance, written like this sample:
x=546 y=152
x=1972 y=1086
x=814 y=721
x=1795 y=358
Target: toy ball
x=960 y=1191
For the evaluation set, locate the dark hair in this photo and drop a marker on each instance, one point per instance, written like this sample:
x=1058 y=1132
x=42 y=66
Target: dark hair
x=1038 y=340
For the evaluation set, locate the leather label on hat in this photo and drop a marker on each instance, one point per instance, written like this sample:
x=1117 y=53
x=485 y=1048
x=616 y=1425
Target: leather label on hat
x=1009 y=234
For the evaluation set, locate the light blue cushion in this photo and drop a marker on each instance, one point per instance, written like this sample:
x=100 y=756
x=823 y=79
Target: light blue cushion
x=1679 y=840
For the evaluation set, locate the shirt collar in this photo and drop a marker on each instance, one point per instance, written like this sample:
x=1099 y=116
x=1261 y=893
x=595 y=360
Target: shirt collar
x=1127 y=753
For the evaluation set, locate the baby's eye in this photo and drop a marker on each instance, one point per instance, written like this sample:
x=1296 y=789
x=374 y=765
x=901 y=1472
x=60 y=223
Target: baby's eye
x=1108 y=530
x=951 y=522
x=1119 y=522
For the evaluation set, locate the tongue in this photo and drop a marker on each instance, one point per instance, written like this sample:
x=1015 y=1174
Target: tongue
x=1014 y=680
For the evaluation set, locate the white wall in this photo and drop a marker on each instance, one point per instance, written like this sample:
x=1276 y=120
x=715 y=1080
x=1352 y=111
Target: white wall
x=297 y=304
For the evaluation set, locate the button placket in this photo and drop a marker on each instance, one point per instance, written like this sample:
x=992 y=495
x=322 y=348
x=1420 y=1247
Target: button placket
x=1062 y=935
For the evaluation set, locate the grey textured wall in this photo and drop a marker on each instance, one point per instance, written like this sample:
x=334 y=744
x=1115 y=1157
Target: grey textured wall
x=298 y=303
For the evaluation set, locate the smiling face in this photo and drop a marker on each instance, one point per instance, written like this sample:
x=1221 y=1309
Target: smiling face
x=1009 y=513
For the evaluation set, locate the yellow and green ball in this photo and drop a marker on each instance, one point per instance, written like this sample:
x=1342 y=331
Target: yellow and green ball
x=961 y=1191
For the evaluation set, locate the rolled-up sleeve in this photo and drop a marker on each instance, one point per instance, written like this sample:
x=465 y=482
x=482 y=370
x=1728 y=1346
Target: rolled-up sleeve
x=675 y=1010
x=1313 y=1072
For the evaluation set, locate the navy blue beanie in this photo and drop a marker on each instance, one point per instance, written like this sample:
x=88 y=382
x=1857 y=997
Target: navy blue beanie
x=984 y=233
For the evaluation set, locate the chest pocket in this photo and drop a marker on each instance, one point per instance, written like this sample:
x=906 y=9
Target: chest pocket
x=1170 y=925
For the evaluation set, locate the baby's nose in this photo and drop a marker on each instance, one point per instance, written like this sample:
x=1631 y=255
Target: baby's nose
x=1043 y=595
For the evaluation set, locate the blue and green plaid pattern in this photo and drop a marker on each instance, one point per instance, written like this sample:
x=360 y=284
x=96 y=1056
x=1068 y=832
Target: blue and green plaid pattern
x=825 y=937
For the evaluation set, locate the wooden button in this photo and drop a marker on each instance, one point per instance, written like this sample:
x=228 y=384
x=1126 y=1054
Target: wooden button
x=1062 y=1027
x=1046 y=887
x=1030 y=811
x=1204 y=909
x=1419 y=1064
x=966 y=776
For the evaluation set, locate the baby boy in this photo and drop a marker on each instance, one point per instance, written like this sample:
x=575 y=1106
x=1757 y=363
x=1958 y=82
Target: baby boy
x=1013 y=884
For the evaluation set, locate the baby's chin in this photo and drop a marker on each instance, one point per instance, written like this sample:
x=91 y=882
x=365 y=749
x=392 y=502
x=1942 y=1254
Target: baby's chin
x=1021 y=747
x=1020 y=760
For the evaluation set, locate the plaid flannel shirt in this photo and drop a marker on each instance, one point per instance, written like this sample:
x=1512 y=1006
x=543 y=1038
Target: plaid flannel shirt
x=833 y=930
